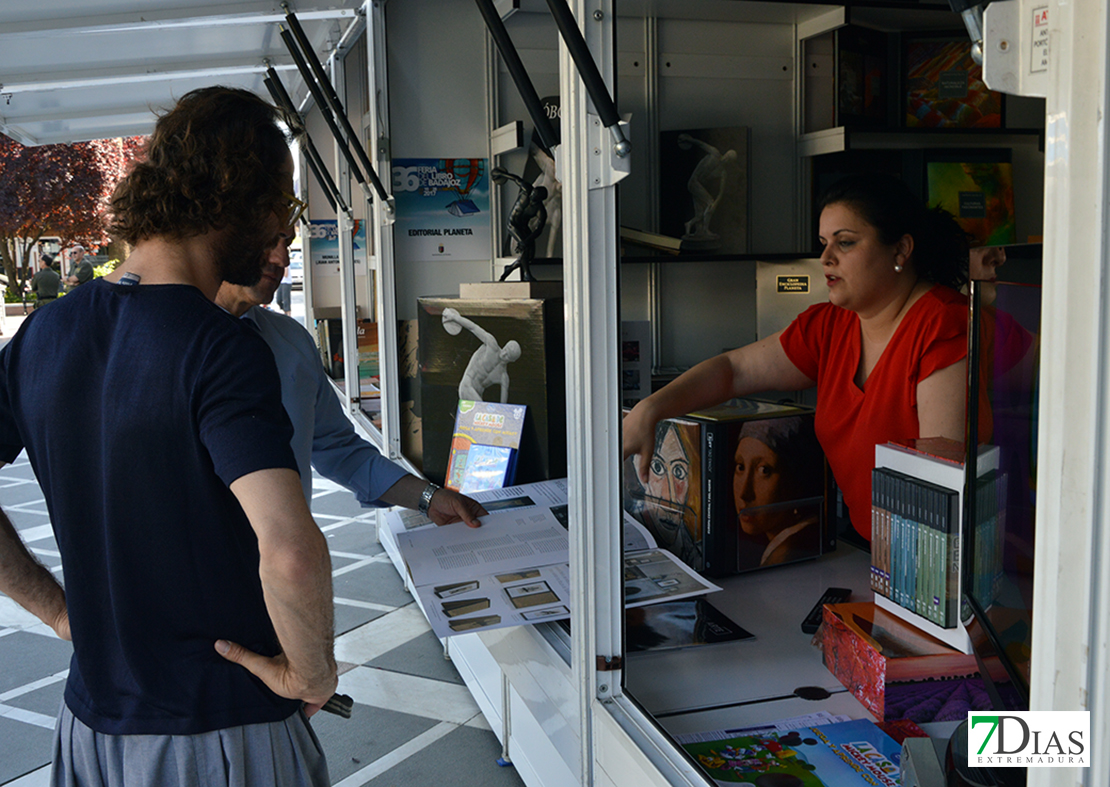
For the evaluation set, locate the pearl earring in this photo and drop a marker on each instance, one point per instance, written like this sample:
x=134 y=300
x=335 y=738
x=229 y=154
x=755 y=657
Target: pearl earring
x=897 y=267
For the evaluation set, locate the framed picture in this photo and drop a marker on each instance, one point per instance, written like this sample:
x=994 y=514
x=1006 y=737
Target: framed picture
x=977 y=187
x=944 y=86
x=704 y=199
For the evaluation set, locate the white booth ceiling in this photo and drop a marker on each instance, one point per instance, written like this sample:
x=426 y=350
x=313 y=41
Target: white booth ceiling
x=74 y=70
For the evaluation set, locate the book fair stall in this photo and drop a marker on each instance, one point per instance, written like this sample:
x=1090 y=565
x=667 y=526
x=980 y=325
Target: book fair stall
x=525 y=217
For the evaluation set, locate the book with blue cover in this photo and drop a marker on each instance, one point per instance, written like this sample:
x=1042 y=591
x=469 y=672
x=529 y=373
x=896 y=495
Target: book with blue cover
x=487 y=467
x=485 y=445
x=844 y=754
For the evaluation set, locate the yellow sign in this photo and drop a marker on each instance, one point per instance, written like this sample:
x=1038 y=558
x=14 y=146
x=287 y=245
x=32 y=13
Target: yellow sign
x=792 y=283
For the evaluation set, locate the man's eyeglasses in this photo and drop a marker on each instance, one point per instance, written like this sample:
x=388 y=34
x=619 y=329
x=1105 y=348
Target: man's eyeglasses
x=295 y=207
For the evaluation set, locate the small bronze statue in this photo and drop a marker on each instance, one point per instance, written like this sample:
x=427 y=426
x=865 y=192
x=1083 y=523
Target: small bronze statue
x=526 y=222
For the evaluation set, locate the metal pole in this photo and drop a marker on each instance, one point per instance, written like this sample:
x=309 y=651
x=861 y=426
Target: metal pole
x=588 y=71
x=321 y=102
x=549 y=138
x=323 y=177
x=332 y=99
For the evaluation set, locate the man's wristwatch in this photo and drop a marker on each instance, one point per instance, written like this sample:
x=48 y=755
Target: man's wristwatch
x=426 y=497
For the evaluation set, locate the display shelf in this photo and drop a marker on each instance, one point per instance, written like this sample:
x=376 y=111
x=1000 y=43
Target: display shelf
x=841 y=138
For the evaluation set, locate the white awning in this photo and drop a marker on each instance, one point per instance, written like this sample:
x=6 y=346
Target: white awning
x=74 y=70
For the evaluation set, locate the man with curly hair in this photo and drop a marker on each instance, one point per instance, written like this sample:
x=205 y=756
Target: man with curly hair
x=198 y=588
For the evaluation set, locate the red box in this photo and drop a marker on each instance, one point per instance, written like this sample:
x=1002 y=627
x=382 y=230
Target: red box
x=868 y=649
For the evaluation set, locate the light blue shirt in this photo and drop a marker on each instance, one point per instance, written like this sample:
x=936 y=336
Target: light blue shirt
x=323 y=436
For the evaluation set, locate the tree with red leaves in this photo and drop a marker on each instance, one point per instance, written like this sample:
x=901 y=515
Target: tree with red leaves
x=57 y=190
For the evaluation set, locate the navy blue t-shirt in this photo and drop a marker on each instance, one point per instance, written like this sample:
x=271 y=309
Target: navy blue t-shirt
x=138 y=406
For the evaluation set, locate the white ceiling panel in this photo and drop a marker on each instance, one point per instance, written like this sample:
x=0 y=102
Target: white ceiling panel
x=73 y=70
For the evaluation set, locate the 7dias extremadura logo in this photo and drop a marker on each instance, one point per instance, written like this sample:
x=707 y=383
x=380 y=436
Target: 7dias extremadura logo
x=1029 y=739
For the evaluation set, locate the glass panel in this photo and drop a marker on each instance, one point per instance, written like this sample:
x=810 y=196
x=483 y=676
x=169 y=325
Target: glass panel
x=1000 y=536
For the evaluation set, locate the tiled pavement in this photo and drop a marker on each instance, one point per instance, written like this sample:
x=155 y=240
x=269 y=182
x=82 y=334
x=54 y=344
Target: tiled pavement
x=414 y=722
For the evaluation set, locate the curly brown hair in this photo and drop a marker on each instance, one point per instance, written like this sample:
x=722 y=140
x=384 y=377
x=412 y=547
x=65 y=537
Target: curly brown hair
x=211 y=163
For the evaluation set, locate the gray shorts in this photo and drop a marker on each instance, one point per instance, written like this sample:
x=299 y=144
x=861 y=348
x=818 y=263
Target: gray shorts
x=283 y=753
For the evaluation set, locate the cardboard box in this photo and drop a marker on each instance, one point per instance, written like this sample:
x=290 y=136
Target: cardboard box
x=870 y=651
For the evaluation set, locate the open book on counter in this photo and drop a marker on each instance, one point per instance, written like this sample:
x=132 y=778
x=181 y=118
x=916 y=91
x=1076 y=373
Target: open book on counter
x=515 y=569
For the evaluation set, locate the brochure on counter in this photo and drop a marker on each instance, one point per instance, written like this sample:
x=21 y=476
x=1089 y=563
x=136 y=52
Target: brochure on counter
x=515 y=569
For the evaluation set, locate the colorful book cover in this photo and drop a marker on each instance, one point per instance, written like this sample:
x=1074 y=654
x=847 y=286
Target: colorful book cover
x=764 y=482
x=670 y=504
x=490 y=425
x=945 y=87
x=486 y=467
x=979 y=194
x=844 y=754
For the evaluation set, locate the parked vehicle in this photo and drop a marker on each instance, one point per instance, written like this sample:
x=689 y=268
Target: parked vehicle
x=296 y=268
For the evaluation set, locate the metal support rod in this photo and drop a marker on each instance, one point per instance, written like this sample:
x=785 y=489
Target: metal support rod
x=588 y=71
x=318 y=96
x=549 y=138
x=332 y=99
x=315 y=163
x=323 y=177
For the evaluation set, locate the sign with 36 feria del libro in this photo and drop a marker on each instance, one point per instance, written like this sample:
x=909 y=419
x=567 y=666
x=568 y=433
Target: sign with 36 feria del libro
x=1029 y=739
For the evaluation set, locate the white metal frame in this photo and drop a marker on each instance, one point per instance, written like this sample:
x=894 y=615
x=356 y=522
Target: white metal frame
x=382 y=227
x=614 y=733
x=1071 y=663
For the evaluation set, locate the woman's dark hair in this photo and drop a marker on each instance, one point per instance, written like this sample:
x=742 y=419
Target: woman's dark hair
x=211 y=163
x=940 y=245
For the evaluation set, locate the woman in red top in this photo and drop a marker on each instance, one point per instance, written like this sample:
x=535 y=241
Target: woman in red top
x=887 y=352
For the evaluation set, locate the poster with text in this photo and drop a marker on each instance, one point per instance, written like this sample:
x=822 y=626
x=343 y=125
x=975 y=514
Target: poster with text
x=442 y=209
x=324 y=247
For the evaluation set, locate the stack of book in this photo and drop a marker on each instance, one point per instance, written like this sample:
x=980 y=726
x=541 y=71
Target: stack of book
x=917 y=506
x=706 y=498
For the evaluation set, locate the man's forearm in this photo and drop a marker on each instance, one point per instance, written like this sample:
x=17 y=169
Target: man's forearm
x=295 y=571
x=406 y=492
x=296 y=583
x=26 y=581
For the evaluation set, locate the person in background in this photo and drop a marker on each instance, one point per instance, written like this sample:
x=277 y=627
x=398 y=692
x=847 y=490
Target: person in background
x=198 y=588
x=323 y=436
x=80 y=269
x=46 y=283
x=285 y=289
x=888 y=352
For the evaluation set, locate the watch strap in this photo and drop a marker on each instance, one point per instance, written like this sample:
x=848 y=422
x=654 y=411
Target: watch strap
x=426 y=497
